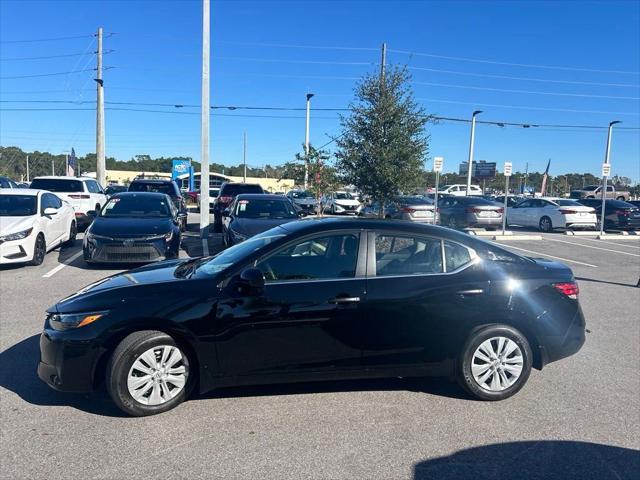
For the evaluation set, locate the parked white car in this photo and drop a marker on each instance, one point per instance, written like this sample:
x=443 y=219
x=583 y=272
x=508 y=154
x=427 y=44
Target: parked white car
x=460 y=190
x=548 y=214
x=83 y=193
x=32 y=222
x=340 y=202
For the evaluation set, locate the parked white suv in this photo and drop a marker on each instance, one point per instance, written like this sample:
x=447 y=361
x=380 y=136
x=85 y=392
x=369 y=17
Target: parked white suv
x=83 y=193
x=340 y=202
x=460 y=190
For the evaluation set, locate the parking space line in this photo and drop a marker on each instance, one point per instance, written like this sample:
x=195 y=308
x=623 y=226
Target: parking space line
x=205 y=247
x=595 y=248
x=52 y=272
x=551 y=256
x=617 y=244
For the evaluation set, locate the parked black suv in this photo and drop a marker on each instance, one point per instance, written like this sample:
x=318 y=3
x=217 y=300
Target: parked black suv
x=228 y=192
x=166 y=186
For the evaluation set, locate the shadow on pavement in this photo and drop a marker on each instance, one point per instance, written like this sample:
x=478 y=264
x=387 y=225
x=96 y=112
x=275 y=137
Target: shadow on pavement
x=584 y=279
x=18 y=374
x=538 y=460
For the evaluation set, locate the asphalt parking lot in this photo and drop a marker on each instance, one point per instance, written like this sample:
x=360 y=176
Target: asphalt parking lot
x=579 y=418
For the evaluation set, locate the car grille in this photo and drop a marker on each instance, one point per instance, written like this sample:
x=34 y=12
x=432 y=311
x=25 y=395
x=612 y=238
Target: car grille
x=142 y=252
x=349 y=207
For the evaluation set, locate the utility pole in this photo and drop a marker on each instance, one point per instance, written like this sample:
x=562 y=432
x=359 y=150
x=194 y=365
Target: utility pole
x=605 y=174
x=204 y=119
x=244 y=158
x=473 y=133
x=28 y=169
x=306 y=142
x=101 y=174
x=66 y=164
x=383 y=62
x=53 y=167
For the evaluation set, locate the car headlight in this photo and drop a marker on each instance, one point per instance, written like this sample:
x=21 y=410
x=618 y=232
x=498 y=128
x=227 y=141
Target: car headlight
x=17 y=235
x=165 y=236
x=65 y=321
x=93 y=236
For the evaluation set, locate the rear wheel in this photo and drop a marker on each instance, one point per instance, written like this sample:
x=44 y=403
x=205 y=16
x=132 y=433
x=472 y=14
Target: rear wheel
x=545 y=224
x=621 y=198
x=39 y=251
x=495 y=362
x=148 y=373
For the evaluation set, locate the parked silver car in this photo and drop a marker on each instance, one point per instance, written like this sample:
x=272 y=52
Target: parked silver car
x=413 y=209
x=461 y=212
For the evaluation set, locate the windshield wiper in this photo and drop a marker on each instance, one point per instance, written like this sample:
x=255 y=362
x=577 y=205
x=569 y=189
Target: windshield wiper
x=188 y=268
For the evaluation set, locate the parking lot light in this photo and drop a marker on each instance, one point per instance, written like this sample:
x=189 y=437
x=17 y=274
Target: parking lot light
x=604 y=177
x=473 y=133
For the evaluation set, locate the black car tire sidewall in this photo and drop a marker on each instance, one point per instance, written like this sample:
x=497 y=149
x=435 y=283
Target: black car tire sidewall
x=36 y=260
x=120 y=363
x=543 y=229
x=464 y=375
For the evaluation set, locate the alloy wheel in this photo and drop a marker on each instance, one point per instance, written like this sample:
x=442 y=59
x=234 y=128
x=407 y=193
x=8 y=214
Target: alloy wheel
x=545 y=224
x=157 y=376
x=497 y=364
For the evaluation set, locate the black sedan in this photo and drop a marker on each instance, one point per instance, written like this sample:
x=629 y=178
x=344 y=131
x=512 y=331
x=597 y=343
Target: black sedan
x=253 y=213
x=133 y=227
x=316 y=300
x=617 y=214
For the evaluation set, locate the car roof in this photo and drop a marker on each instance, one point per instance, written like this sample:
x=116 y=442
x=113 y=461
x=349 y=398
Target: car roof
x=260 y=196
x=152 y=180
x=241 y=183
x=62 y=177
x=139 y=194
x=21 y=191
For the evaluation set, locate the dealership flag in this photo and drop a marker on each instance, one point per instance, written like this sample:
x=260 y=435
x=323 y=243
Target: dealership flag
x=72 y=164
x=544 y=179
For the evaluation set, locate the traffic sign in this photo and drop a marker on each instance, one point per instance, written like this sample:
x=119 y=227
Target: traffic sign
x=437 y=164
x=507 y=169
x=606 y=169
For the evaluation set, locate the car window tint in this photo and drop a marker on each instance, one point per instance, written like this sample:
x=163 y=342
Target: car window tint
x=407 y=255
x=166 y=188
x=57 y=185
x=93 y=187
x=456 y=255
x=331 y=256
x=48 y=201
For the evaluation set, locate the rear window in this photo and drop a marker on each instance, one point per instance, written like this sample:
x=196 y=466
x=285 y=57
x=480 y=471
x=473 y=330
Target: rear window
x=166 y=188
x=413 y=201
x=238 y=188
x=57 y=185
x=476 y=201
x=568 y=203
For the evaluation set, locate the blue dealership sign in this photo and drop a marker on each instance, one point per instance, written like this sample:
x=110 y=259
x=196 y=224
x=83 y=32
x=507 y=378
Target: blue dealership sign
x=182 y=167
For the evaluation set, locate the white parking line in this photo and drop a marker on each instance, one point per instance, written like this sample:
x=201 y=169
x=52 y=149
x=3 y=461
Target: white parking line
x=551 y=256
x=205 y=247
x=617 y=244
x=595 y=248
x=52 y=272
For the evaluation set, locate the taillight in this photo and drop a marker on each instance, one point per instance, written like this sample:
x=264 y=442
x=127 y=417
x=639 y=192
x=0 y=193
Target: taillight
x=568 y=212
x=622 y=213
x=570 y=289
x=500 y=210
x=77 y=197
x=407 y=210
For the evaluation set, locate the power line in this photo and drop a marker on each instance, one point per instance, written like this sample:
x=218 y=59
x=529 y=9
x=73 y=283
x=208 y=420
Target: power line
x=529 y=79
x=526 y=65
x=313 y=47
x=275 y=60
x=52 y=39
x=51 y=74
x=52 y=56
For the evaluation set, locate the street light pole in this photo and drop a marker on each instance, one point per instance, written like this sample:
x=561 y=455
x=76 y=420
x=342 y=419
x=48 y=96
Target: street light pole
x=473 y=133
x=604 y=177
x=306 y=142
x=204 y=123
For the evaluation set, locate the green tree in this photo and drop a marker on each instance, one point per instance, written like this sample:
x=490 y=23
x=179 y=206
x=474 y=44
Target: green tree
x=383 y=144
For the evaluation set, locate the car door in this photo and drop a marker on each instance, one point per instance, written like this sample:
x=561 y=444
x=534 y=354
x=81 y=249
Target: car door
x=517 y=215
x=305 y=321
x=416 y=303
x=53 y=225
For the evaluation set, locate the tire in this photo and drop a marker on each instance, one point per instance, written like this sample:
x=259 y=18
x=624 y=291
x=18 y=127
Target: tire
x=452 y=223
x=621 y=198
x=73 y=232
x=134 y=351
x=509 y=377
x=545 y=224
x=39 y=251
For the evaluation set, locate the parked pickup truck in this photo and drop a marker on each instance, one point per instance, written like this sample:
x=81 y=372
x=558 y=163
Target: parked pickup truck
x=595 y=191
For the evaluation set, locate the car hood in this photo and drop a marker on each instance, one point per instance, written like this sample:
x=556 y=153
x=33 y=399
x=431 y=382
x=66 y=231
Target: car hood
x=305 y=200
x=10 y=225
x=347 y=202
x=130 y=226
x=88 y=297
x=253 y=226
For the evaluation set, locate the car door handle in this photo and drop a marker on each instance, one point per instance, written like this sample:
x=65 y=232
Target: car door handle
x=475 y=291
x=345 y=300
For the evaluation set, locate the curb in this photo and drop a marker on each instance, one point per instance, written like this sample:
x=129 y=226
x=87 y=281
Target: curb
x=517 y=237
x=582 y=234
x=618 y=237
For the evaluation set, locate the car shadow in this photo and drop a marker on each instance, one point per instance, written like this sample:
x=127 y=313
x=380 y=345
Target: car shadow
x=534 y=460
x=18 y=375
x=632 y=285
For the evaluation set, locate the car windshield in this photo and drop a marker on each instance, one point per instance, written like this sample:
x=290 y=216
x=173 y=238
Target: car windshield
x=567 y=203
x=414 y=201
x=343 y=196
x=305 y=194
x=166 y=188
x=591 y=187
x=57 y=185
x=213 y=265
x=267 y=209
x=236 y=189
x=17 y=205
x=137 y=206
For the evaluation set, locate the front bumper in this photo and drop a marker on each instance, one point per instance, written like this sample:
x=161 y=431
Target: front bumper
x=67 y=365
x=126 y=250
x=17 y=251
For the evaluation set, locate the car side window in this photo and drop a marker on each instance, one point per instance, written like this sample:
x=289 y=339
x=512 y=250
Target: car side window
x=609 y=188
x=47 y=202
x=93 y=187
x=324 y=257
x=55 y=201
x=407 y=255
x=456 y=255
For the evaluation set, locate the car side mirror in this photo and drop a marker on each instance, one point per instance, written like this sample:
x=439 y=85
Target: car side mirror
x=91 y=213
x=49 y=211
x=226 y=212
x=250 y=282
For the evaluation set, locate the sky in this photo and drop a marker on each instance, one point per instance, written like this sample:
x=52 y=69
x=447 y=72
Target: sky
x=571 y=63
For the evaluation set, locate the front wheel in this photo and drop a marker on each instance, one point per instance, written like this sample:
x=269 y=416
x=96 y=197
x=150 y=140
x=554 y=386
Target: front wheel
x=148 y=373
x=39 y=251
x=495 y=362
x=621 y=198
x=545 y=224
x=452 y=222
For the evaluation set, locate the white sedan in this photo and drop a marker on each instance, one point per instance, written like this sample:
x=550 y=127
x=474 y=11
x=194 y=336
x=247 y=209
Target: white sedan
x=32 y=222
x=548 y=214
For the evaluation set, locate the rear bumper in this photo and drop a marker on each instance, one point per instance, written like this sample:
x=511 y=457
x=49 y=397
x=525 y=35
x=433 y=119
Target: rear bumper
x=410 y=218
x=475 y=221
x=556 y=347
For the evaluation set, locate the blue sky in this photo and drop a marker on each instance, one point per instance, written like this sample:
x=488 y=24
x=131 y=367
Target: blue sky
x=262 y=56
